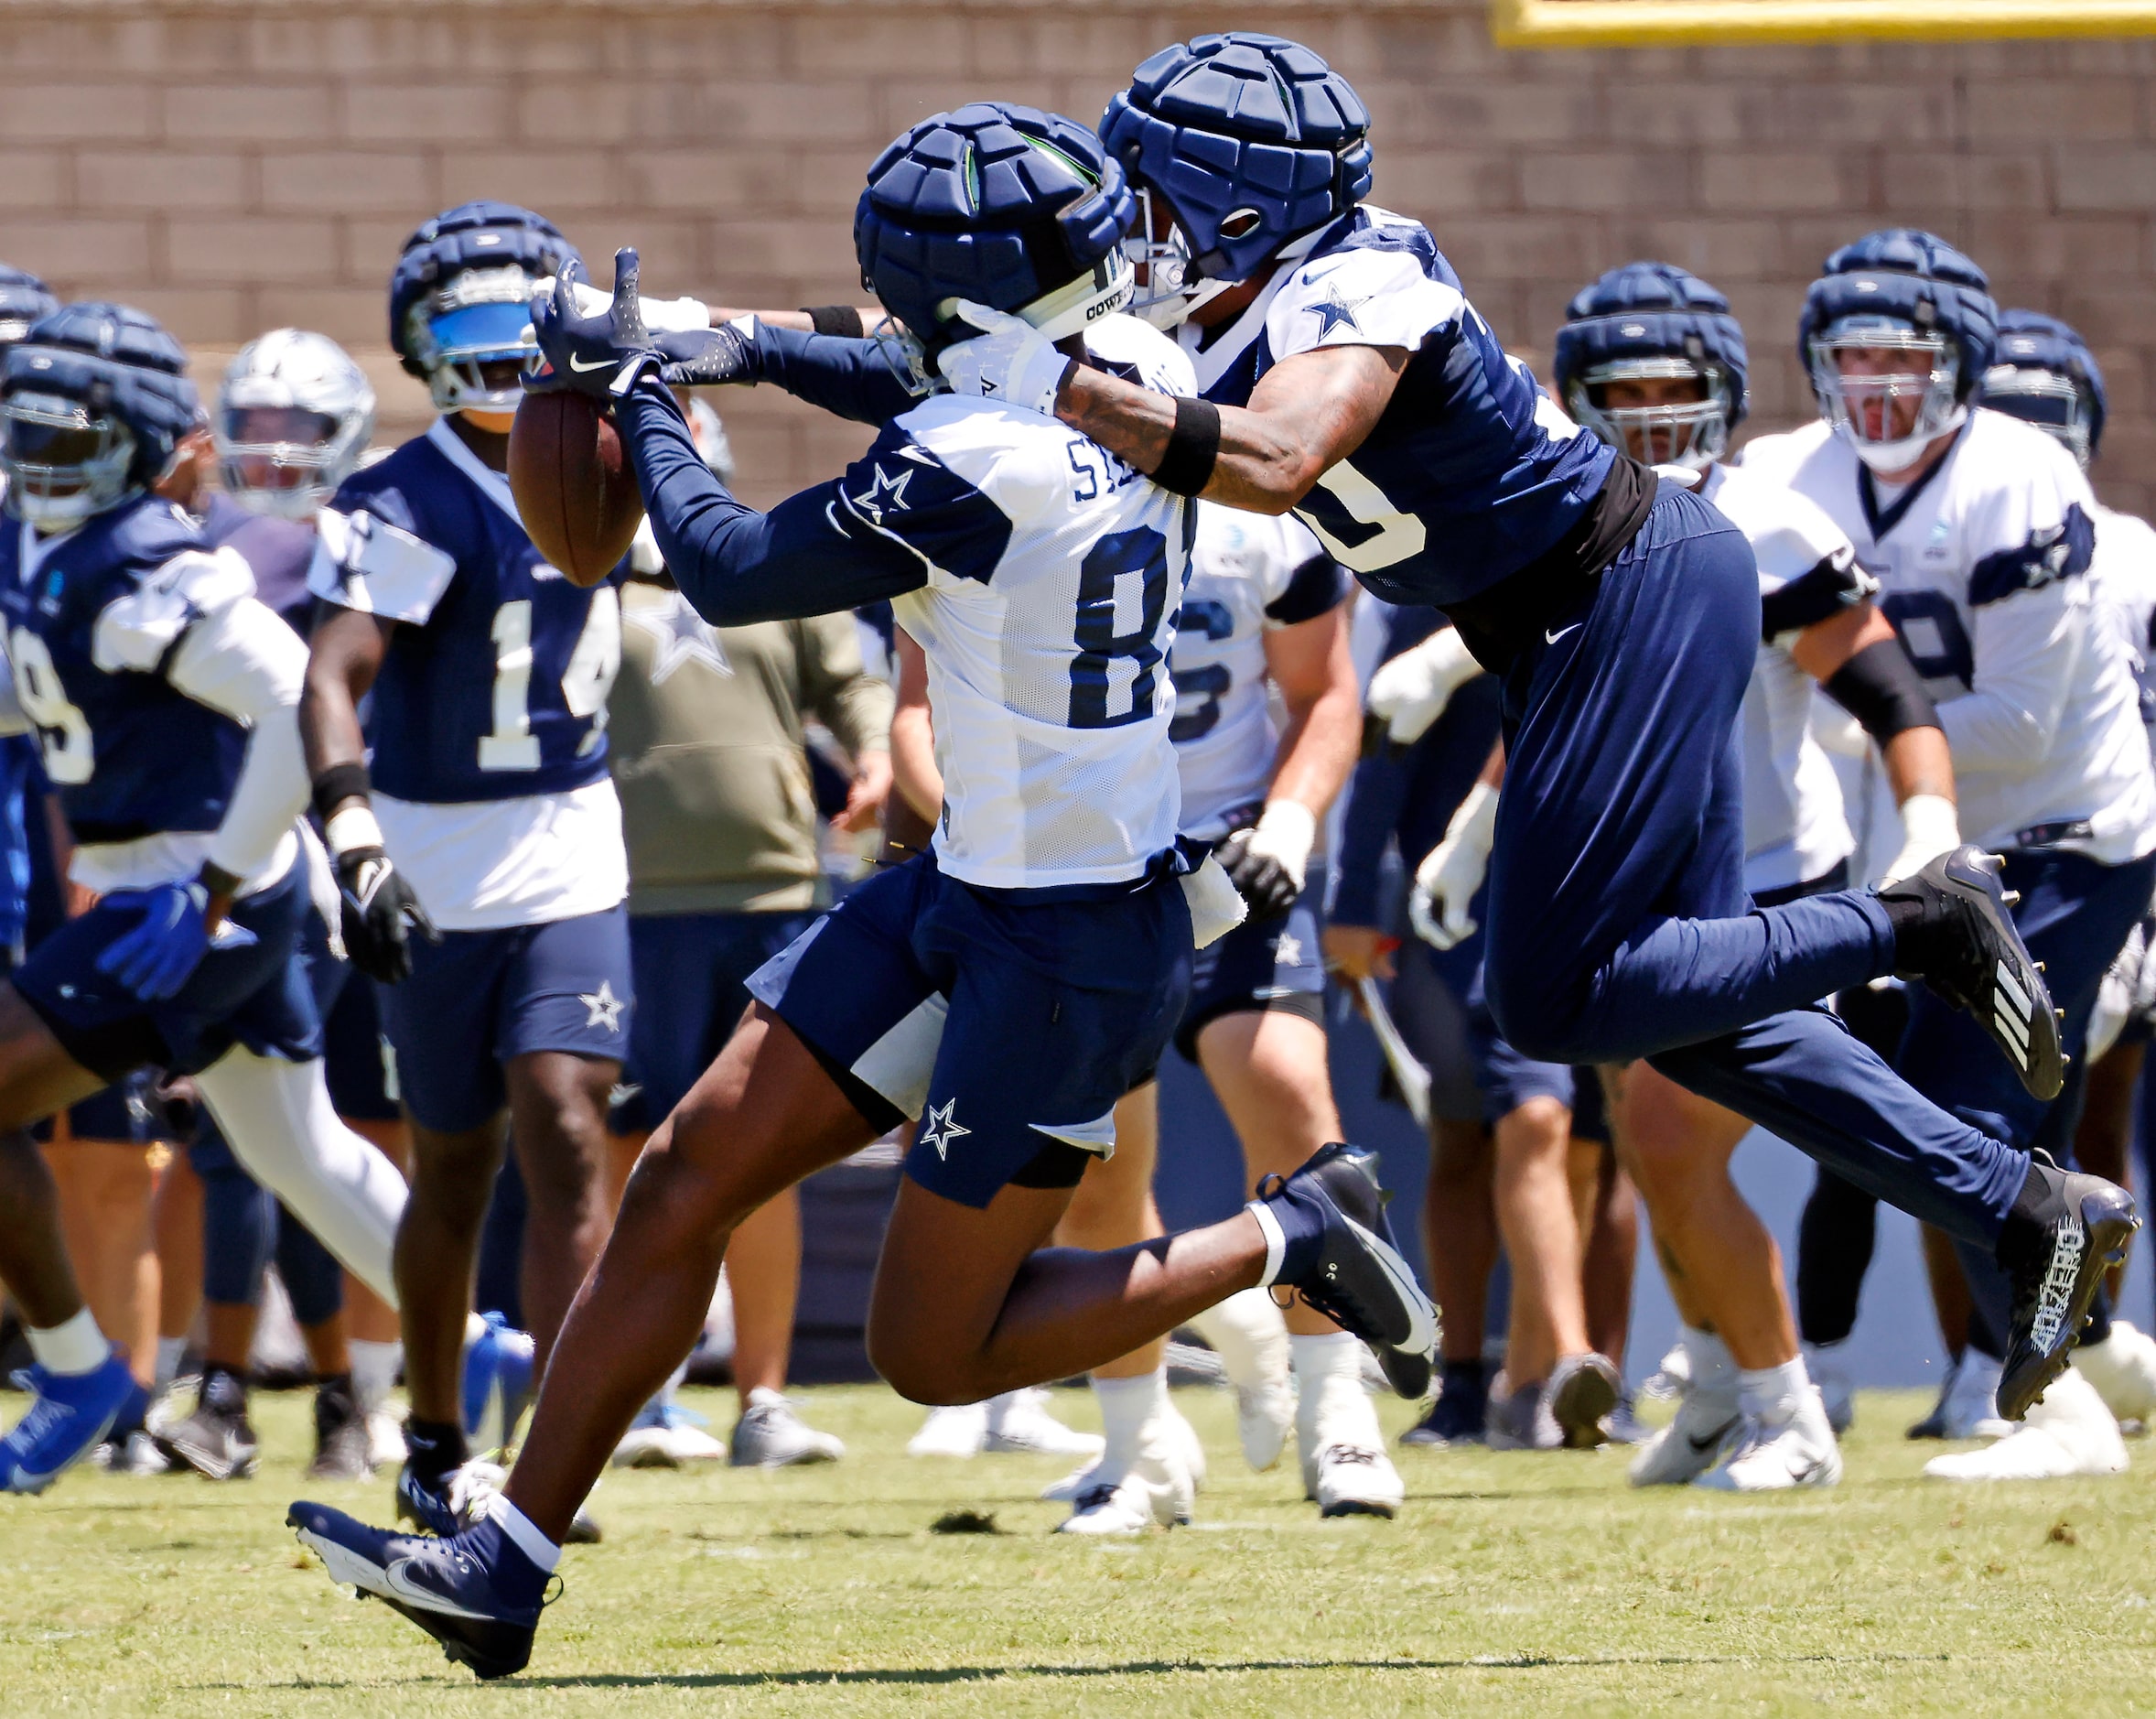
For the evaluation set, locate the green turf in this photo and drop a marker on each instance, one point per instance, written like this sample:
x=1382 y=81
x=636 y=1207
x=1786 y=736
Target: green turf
x=1516 y=1584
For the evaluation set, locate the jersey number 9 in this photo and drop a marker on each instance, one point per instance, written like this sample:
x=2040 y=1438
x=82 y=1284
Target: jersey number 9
x=63 y=732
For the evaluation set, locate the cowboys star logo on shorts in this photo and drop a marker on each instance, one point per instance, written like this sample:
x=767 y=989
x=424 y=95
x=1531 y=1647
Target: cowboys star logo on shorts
x=939 y=1130
x=606 y=1008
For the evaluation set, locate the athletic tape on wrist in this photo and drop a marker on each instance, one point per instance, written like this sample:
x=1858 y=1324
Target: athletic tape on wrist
x=1193 y=447
x=1276 y=1242
x=352 y=829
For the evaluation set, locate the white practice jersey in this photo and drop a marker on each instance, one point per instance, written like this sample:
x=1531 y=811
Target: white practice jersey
x=1054 y=573
x=1794 y=828
x=1249 y=574
x=2125 y=572
x=1983 y=566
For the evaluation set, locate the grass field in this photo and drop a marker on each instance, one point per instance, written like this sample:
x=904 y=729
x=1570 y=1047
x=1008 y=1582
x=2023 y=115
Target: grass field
x=1510 y=1583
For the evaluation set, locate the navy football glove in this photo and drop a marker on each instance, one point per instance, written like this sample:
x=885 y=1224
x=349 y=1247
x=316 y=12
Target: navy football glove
x=168 y=941
x=377 y=913
x=585 y=352
x=698 y=358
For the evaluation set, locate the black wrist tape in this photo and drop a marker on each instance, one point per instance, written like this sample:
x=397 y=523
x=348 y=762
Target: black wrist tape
x=1880 y=687
x=1193 y=447
x=338 y=784
x=840 y=319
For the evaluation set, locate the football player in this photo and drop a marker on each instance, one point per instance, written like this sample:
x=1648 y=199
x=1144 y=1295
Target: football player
x=482 y=857
x=1009 y=986
x=1345 y=376
x=1652 y=361
x=164 y=696
x=1978 y=529
x=1264 y=616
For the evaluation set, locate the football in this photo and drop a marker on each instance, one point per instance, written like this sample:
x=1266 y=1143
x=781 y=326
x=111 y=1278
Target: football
x=574 y=485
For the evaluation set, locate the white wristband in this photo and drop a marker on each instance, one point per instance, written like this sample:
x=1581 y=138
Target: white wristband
x=1932 y=820
x=353 y=827
x=1287 y=831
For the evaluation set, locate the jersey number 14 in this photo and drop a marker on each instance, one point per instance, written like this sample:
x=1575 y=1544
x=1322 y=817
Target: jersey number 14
x=585 y=683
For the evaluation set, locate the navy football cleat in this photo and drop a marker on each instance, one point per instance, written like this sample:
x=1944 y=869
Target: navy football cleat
x=1965 y=947
x=1356 y=1276
x=446 y=1586
x=2080 y=1224
x=449 y=1503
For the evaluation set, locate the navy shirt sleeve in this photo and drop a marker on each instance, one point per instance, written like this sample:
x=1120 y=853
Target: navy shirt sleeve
x=853 y=379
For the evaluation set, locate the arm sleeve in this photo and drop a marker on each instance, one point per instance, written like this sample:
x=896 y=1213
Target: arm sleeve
x=854 y=379
x=896 y=517
x=246 y=663
x=853 y=704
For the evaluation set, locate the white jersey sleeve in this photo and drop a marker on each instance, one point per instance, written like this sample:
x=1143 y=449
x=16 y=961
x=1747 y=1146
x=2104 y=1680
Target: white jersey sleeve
x=141 y=630
x=1366 y=295
x=365 y=562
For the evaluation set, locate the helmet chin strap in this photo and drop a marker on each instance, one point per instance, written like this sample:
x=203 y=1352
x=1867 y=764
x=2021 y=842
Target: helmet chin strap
x=1899 y=455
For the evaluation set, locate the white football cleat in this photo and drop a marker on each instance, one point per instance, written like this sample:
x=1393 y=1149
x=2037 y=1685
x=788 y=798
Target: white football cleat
x=1156 y=1487
x=1691 y=1443
x=771 y=1434
x=1773 y=1456
x=1264 y=1414
x=1019 y=1424
x=954 y=1430
x=2123 y=1370
x=2069 y=1434
x=1969 y=1409
x=1249 y=1334
x=1355 y=1480
x=1836 y=1389
x=665 y=1435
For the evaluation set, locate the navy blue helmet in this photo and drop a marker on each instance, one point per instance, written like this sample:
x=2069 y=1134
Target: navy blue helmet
x=93 y=400
x=1004 y=206
x=1653 y=322
x=1250 y=141
x=2044 y=372
x=460 y=298
x=23 y=300
x=1898 y=291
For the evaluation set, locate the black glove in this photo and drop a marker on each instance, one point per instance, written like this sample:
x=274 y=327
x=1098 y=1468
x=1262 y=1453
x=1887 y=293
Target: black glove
x=1261 y=879
x=377 y=912
x=587 y=353
x=696 y=358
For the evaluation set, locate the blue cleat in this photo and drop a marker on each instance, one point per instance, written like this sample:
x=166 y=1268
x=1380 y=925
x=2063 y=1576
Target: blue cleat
x=1343 y=1257
x=476 y=1594
x=499 y=1364
x=69 y=1413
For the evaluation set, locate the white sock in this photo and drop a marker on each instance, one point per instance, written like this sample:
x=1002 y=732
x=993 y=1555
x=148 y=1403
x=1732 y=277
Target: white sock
x=373 y=1370
x=171 y=1351
x=1127 y=1406
x=1249 y=1336
x=1769 y=1393
x=1329 y=1389
x=1714 y=1368
x=77 y=1346
x=526 y=1538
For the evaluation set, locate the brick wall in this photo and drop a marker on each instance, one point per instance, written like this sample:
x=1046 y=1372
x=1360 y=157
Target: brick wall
x=234 y=167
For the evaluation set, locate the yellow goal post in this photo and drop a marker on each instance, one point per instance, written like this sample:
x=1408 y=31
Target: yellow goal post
x=1680 y=23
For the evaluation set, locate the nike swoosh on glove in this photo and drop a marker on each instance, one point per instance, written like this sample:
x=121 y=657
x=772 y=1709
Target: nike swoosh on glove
x=154 y=958
x=379 y=913
x=586 y=352
x=699 y=358
x=1012 y=360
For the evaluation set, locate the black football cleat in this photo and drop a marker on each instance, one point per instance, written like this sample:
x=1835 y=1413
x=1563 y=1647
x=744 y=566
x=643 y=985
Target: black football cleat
x=439 y=1584
x=2061 y=1241
x=1963 y=943
x=1359 y=1280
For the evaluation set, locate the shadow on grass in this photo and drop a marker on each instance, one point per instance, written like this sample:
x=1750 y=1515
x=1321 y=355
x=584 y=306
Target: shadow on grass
x=1128 y=1668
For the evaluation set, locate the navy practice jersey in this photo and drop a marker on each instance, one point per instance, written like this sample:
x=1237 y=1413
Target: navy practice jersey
x=495 y=689
x=93 y=618
x=277 y=551
x=1469 y=475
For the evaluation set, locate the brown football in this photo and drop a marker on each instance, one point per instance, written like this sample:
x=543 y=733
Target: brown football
x=574 y=484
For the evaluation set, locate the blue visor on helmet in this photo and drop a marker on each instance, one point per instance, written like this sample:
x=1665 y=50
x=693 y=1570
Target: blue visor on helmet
x=482 y=332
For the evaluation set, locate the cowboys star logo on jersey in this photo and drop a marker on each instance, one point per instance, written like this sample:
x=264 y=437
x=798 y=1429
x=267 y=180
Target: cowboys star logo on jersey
x=1332 y=311
x=887 y=494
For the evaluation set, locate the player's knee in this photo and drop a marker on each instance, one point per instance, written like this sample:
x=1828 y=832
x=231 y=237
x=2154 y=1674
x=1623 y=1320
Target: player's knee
x=931 y=1375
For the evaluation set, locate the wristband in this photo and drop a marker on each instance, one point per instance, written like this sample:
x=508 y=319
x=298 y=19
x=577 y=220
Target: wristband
x=1880 y=687
x=1193 y=447
x=352 y=829
x=840 y=319
x=338 y=783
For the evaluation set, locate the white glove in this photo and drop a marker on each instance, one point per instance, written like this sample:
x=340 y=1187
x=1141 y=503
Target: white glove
x=1411 y=692
x=1012 y=360
x=662 y=316
x=1930 y=826
x=1446 y=881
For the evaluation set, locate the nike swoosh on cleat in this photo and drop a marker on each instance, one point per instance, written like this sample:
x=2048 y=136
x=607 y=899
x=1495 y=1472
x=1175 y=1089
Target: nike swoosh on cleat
x=577 y=365
x=1701 y=1446
x=1422 y=1328
x=395 y=1582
